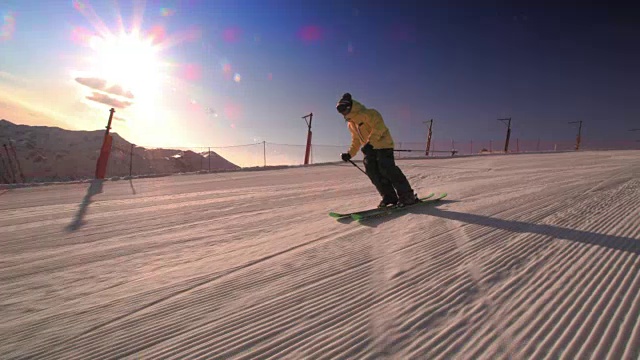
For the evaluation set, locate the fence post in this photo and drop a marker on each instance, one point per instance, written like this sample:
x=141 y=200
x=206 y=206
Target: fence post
x=264 y=152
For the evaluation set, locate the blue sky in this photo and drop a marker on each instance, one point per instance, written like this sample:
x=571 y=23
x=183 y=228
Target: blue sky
x=237 y=72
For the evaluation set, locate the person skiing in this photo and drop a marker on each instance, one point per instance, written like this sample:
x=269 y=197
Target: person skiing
x=369 y=131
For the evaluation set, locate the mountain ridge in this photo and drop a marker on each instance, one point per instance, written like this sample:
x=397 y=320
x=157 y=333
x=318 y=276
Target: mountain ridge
x=49 y=153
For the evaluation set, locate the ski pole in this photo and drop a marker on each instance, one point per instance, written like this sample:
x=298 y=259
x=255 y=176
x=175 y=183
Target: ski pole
x=356 y=165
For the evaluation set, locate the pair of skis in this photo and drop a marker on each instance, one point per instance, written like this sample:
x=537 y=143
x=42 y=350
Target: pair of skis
x=371 y=213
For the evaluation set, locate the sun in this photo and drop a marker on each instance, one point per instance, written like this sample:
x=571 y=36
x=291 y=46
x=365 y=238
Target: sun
x=130 y=61
x=127 y=68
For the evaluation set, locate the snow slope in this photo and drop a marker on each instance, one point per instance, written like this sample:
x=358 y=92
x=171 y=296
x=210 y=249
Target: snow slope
x=532 y=256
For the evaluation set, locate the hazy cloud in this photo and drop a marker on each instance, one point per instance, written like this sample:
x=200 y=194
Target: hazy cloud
x=108 y=100
x=101 y=84
x=94 y=83
x=118 y=90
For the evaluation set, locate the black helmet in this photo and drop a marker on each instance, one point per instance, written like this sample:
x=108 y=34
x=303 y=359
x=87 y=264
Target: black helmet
x=345 y=104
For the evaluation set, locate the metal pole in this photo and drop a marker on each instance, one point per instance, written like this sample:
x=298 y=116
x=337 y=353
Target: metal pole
x=428 y=136
x=506 y=142
x=106 y=133
x=579 y=136
x=103 y=159
x=308 y=149
x=264 y=152
x=506 y=146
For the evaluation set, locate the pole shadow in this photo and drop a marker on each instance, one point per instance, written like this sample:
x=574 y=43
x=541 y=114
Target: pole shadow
x=133 y=190
x=94 y=189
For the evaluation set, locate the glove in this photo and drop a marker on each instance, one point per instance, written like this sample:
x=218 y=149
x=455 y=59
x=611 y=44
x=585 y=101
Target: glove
x=345 y=157
x=367 y=149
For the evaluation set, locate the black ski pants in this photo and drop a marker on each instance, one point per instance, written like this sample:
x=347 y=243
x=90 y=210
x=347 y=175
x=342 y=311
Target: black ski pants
x=388 y=179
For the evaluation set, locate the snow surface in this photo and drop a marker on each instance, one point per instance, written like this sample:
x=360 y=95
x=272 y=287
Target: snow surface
x=531 y=256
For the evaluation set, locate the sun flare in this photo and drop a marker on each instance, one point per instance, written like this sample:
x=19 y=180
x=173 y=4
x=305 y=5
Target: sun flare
x=127 y=68
x=129 y=61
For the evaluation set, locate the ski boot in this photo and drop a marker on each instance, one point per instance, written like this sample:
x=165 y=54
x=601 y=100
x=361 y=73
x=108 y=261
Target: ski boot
x=408 y=199
x=388 y=201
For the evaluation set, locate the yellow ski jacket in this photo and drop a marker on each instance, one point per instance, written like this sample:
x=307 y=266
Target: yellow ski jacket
x=367 y=126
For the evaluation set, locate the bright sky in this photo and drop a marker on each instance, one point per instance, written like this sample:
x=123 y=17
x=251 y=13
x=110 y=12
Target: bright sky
x=218 y=73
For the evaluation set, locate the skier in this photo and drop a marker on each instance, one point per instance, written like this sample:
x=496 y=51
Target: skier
x=369 y=131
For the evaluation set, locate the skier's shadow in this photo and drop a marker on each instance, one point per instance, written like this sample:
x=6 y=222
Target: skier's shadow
x=615 y=242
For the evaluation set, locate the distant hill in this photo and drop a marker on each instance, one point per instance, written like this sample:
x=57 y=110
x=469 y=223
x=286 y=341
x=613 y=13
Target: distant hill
x=54 y=154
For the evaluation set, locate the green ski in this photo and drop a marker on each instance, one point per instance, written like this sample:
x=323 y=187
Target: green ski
x=367 y=212
x=392 y=209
